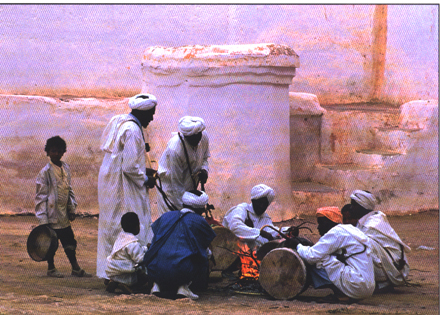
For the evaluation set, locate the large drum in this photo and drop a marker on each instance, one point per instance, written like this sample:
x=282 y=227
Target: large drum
x=223 y=247
x=283 y=273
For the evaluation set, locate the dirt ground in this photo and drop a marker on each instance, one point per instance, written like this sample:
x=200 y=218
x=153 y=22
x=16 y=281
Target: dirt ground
x=25 y=288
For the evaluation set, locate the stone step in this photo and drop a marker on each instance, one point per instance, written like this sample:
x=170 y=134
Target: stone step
x=374 y=158
x=308 y=196
x=394 y=138
x=346 y=176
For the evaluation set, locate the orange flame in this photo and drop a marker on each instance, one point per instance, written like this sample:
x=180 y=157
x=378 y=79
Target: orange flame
x=250 y=265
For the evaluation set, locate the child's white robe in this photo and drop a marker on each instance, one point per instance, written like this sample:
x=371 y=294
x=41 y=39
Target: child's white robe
x=127 y=252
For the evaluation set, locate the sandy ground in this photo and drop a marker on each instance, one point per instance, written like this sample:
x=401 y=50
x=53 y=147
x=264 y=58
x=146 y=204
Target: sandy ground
x=25 y=288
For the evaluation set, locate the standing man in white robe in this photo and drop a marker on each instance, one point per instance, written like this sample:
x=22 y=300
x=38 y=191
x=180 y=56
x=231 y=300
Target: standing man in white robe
x=341 y=259
x=122 y=182
x=390 y=264
x=246 y=220
x=184 y=163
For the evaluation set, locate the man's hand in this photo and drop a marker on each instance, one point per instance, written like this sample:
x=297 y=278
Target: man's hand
x=150 y=182
x=203 y=176
x=72 y=216
x=291 y=243
x=266 y=235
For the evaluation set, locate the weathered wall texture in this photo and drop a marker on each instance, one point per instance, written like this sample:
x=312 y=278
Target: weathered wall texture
x=242 y=93
x=96 y=50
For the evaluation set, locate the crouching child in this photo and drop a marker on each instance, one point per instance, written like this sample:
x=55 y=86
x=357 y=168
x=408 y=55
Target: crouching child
x=127 y=252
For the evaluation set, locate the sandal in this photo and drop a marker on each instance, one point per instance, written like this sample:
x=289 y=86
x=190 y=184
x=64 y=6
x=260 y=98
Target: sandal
x=111 y=286
x=81 y=273
x=54 y=273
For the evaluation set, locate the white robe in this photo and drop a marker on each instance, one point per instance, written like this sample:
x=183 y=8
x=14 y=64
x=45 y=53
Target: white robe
x=236 y=216
x=376 y=226
x=356 y=279
x=121 y=185
x=47 y=209
x=127 y=252
x=174 y=172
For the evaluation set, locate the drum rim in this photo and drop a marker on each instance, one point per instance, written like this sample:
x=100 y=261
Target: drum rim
x=32 y=238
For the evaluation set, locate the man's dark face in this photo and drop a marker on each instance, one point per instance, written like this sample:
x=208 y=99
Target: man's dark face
x=357 y=211
x=194 y=140
x=260 y=205
x=146 y=116
x=347 y=219
x=324 y=225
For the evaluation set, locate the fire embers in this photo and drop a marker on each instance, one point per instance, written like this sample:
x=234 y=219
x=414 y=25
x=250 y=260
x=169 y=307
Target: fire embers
x=249 y=272
x=250 y=265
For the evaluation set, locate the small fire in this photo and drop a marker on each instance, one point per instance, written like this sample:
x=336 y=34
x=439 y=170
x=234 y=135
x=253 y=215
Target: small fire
x=250 y=265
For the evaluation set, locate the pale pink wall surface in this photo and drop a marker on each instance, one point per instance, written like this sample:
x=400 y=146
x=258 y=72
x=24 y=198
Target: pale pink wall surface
x=96 y=50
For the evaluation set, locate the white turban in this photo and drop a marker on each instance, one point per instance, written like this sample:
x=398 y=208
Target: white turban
x=189 y=126
x=364 y=199
x=142 y=101
x=195 y=201
x=261 y=191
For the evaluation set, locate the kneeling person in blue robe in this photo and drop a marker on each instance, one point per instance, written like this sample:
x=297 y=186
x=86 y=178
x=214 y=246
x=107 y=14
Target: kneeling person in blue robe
x=178 y=255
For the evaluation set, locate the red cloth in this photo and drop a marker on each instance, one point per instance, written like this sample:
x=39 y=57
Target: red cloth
x=331 y=213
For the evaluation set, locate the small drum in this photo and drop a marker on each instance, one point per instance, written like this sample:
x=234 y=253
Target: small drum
x=283 y=273
x=223 y=247
x=42 y=242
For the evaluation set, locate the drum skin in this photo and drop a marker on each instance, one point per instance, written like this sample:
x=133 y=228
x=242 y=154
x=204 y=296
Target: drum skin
x=282 y=273
x=42 y=243
x=223 y=247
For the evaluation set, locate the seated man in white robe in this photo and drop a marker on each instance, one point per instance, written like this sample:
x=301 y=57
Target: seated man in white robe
x=246 y=220
x=391 y=266
x=183 y=164
x=340 y=260
x=126 y=254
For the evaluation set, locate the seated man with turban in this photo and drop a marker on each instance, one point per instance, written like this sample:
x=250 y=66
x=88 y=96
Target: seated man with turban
x=123 y=182
x=178 y=255
x=340 y=260
x=246 y=220
x=390 y=265
x=183 y=164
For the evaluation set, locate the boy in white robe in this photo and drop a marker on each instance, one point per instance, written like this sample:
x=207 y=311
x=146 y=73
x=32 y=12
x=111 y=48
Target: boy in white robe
x=390 y=264
x=340 y=260
x=55 y=204
x=126 y=254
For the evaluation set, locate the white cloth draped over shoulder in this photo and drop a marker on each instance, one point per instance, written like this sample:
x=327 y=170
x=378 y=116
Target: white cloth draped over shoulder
x=235 y=221
x=173 y=169
x=121 y=185
x=383 y=238
x=127 y=252
x=356 y=279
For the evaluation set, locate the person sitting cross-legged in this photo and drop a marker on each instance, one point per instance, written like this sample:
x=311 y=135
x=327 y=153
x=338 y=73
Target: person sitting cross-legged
x=390 y=263
x=340 y=260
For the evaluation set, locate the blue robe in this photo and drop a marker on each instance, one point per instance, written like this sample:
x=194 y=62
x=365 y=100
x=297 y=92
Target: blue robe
x=177 y=254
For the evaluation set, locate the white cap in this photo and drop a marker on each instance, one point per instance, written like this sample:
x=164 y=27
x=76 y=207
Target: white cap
x=142 y=101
